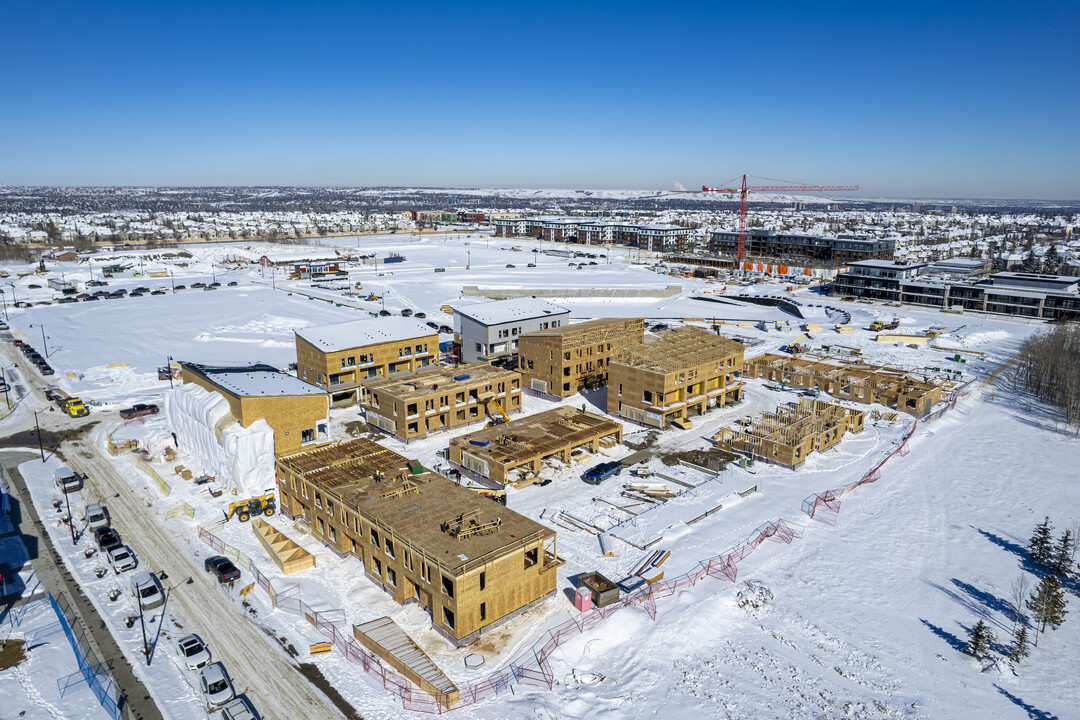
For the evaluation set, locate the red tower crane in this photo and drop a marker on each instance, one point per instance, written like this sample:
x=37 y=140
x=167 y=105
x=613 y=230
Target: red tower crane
x=790 y=187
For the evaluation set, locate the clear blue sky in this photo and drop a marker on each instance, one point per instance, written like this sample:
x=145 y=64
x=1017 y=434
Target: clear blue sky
x=963 y=99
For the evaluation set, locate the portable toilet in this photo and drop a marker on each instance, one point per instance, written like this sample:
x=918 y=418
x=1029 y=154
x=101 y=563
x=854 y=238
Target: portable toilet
x=583 y=599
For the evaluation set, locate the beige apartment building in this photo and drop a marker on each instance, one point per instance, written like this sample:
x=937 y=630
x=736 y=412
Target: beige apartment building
x=416 y=404
x=679 y=375
x=338 y=357
x=565 y=360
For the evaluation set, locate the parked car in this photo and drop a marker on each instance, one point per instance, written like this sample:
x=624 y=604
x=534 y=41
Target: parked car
x=222 y=568
x=420 y=315
x=135 y=293
x=96 y=283
x=67 y=480
x=34 y=286
x=47 y=370
x=214 y=285
x=532 y=265
x=215 y=686
x=159 y=292
x=238 y=709
x=180 y=287
x=138 y=410
x=96 y=516
x=446 y=329
x=209 y=287
x=193 y=651
x=107 y=538
x=146 y=589
x=384 y=313
x=406 y=313
x=433 y=325
x=121 y=559
x=599 y=473
x=233 y=284
x=91 y=298
x=198 y=285
x=18 y=343
x=66 y=300
x=510 y=266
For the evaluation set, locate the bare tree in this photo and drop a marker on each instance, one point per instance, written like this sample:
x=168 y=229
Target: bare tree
x=1018 y=593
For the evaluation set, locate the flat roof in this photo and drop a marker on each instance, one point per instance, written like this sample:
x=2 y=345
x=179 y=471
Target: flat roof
x=629 y=324
x=888 y=264
x=360 y=333
x=501 y=311
x=257 y=380
x=963 y=262
x=540 y=434
x=1036 y=277
x=677 y=349
x=444 y=378
x=346 y=468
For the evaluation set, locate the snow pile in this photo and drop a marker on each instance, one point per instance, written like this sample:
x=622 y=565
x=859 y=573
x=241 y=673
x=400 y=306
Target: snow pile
x=241 y=459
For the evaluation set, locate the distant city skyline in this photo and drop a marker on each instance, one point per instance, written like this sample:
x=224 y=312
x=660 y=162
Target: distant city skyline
x=920 y=100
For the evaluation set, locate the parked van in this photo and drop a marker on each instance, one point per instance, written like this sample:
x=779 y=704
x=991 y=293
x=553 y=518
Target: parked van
x=67 y=480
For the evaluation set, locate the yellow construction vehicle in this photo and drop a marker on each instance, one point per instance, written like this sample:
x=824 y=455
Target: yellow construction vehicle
x=243 y=510
x=794 y=347
x=73 y=406
x=498 y=496
x=358 y=286
x=499 y=419
x=878 y=325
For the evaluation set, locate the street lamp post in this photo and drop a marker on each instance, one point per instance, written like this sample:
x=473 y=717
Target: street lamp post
x=43 y=341
x=71 y=520
x=168 y=368
x=213 y=271
x=3 y=299
x=142 y=624
x=7 y=387
x=172 y=282
x=14 y=297
x=41 y=448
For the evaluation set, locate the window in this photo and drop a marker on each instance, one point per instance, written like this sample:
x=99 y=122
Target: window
x=333 y=534
x=374 y=537
x=479 y=347
x=448 y=617
x=483 y=580
x=483 y=611
x=531 y=557
x=391 y=576
x=513 y=331
x=408 y=561
x=389 y=547
x=419 y=349
x=425 y=572
x=377 y=567
x=307 y=436
x=447 y=586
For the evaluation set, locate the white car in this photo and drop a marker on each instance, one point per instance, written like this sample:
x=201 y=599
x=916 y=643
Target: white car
x=121 y=559
x=96 y=516
x=193 y=651
x=147 y=591
x=215 y=686
x=238 y=709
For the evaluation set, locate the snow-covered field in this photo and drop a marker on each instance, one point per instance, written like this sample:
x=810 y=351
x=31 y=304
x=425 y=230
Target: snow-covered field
x=866 y=616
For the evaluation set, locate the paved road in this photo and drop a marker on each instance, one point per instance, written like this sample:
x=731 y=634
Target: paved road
x=54 y=577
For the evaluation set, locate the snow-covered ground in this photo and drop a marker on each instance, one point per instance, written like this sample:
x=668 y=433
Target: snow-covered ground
x=866 y=615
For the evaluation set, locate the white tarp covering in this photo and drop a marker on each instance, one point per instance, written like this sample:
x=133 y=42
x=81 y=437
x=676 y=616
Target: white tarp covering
x=239 y=458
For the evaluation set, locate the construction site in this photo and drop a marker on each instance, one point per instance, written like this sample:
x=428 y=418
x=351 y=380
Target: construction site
x=668 y=380
x=567 y=359
x=788 y=435
x=420 y=403
x=517 y=452
x=470 y=562
x=851 y=380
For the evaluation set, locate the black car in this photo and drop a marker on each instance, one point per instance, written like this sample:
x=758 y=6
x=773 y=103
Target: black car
x=233 y=284
x=446 y=329
x=158 y=292
x=406 y=313
x=198 y=285
x=180 y=287
x=65 y=300
x=96 y=283
x=433 y=325
x=90 y=298
x=214 y=285
x=420 y=315
x=135 y=293
x=107 y=538
x=384 y=313
x=223 y=568
x=209 y=287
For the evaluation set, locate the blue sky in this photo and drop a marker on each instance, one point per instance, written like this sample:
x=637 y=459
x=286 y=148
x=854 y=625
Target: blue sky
x=958 y=99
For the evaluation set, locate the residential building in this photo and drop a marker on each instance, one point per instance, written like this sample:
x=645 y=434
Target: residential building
x=413 y=405
x=490 y=330
x=788 y=435
x=769 y=244
x=338 y=356
x=570 y=358
x=471 y=563
x=594 y=231
x=297 y=411
x=878 y=279
x=671 y=378
x=515 y=452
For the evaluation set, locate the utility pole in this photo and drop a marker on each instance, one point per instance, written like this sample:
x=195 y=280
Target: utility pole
x=142 y=624
x=43 y=342
x=7 y=387
x=3 y=299
x=41 y=448
x=168 y=366
x=172 y=281
x=71 y=520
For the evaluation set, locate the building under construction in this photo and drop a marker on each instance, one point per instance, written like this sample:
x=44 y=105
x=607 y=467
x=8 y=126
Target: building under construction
x=679 y=375
x=420 y=403
x=849 y=380
x=471 y=562
x=515 y=451
x=788 y=435
x=564 y=360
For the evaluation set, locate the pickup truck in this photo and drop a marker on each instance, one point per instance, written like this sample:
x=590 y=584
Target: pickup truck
x=138 y=411
x=599 y=473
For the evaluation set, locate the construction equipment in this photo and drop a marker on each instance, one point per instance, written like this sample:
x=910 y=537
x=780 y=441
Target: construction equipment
x=499 y=419
x=498 y=496
x=73 y=406
x=358 y=285
x=790 y=187
x=243 y=510
x=794 y=346
x=468 y=525
x=879 y=325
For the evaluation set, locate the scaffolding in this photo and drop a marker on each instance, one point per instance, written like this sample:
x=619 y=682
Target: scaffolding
x=792 y=432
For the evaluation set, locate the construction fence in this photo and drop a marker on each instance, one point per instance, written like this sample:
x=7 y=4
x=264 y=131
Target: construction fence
x=533 y=665
x=93 y=671
x=162 y=485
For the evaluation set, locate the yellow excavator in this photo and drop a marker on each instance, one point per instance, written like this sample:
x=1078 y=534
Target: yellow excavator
x=794 y=347
x=243 y=510
x=499 y=419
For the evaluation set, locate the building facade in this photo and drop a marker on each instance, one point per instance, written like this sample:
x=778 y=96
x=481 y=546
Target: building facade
x=681 y=374
x=298 y=412
x=769 y=244
x=411 y=406
x=470 y=562
x=338 y=357
x=565 y=360
x=491 y=330
x=657 y=237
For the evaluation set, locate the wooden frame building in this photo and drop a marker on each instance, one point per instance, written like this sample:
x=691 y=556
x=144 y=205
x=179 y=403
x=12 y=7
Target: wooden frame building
x=414 y=405
x=564 y=360
x=681 y=374
x=795 y=430
x=849 y=380
x=515 y=451
x=339 y=356
x=471 y=562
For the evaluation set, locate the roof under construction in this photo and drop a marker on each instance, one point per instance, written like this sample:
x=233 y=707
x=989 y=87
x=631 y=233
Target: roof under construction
x=877 y=376
x=444 y=379
x=422 y=509
x=541 y=435
x=592 y=332
x=677 y=349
